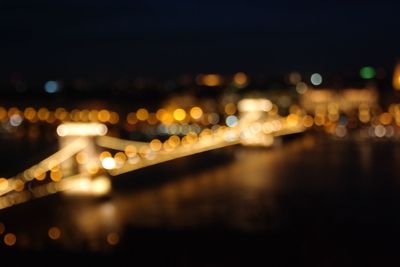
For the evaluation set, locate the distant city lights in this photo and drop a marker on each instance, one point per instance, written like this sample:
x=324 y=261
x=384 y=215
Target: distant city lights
x=367 y=72
x=52 y=87
x=316 y=79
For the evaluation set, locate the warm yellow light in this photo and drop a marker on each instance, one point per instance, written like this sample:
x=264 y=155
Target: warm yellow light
x=10 y=239
x=131 y=118
x=3 y=184
x=396 y=77
x=43 y=114
x=113 y=239
x=179 y=114
x=54 y=233
x=30 y=113
x=152 y=119
x=114 y=118
x=103 y=115
x=230 y=108
x=39 y=174
x=120 y=159
x=174 y=140
x=104 y=154
x=19 y=185
x=56 y=176
x=81 y=129
x=142 y=114
x=196 y=113
x=130 y=151
x=82 y=157
x=292 y=120
x=3 y=113
x=250 y=104
x=308 y=121
x=155 y=145
x=92 y=167
x=210 y=79
x=385 y=118
x=100 y=185
x=108 y=163
x=240 y=79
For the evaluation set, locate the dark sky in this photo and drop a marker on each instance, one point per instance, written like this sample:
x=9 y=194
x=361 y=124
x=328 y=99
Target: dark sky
x=109 y=38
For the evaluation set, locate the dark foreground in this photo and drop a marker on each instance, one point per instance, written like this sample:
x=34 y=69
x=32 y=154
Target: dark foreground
x=311 y=202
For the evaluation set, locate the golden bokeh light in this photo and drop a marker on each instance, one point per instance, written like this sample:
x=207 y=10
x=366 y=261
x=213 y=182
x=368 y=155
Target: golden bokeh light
x=54 y=233
x=179 y=114
x=113 y=239
x=196 y=113
x=10 y=239
x=3 y=184
x=142 y=114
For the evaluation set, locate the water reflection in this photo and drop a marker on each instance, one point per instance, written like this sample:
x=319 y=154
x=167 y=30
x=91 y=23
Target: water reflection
x=306 y=185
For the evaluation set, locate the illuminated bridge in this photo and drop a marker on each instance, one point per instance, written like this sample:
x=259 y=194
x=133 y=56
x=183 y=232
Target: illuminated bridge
x=88 y=157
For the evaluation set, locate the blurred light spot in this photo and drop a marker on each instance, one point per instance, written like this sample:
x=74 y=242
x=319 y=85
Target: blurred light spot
x=367 y=72
x=396 y=77
x=230 y=108
x=2 y=228
x=104 y=154
x=3 y=184
x=82 y=157
x=51 y=87
x=196 y=113
x=81 y=129
x=100 y=185
x=316 y=79
x=240 y=79
x=120 y=158
x=10 y=239
x=54 y=233
x=213 y=118
x=108 y=163
x=56 y=176
x=15 y=120
x=385 y=118
x=179 y=114
x=292 y=120
x=250 y=104
x=142 y=114
x=155 y=145
x=131 y=118
x=294 y=78
x=130 y=151
x=209 y=79
x=231 y=121
x=301 y=88
x=380 y=131
x=341 y=131
x=103 y=115
x=113 y=239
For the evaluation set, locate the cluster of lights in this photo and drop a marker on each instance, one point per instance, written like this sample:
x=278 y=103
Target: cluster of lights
x=132 y=155
x=16 y=116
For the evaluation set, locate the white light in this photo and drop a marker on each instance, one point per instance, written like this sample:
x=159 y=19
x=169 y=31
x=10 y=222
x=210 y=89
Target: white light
x=380 y=131
x=100 y=185
x=231 y=121
x=316 y=79
x=51 y=87
x=15 y=120
x=250 y=104
x=108 y=163
x=81 y=129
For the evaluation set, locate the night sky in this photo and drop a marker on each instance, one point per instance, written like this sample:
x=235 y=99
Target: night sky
x=74 y=38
